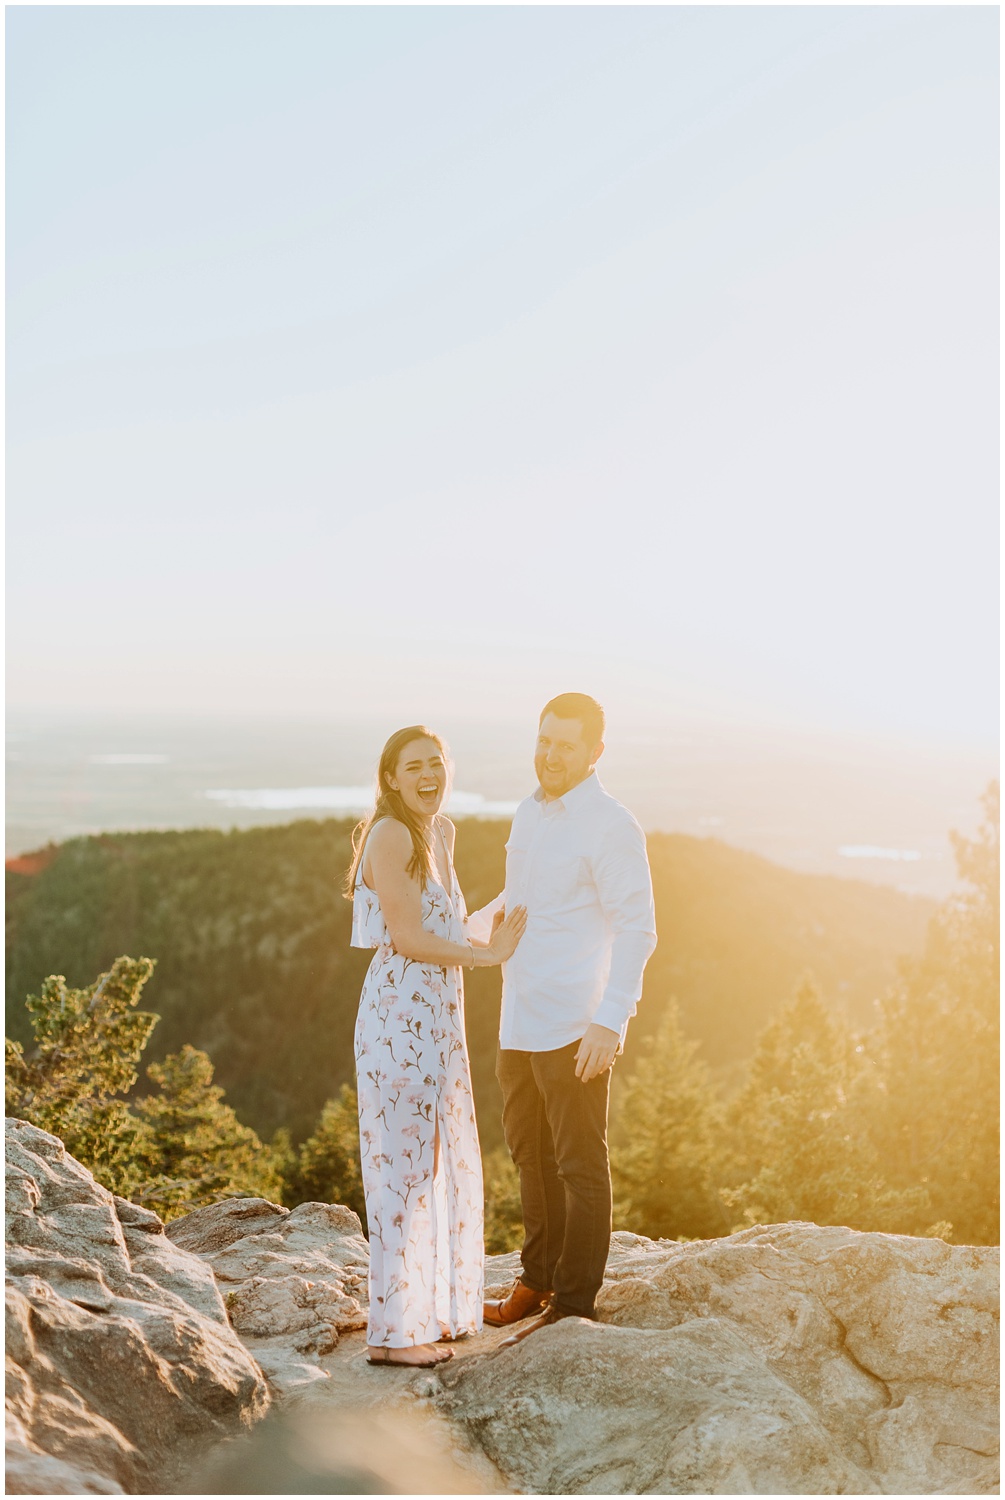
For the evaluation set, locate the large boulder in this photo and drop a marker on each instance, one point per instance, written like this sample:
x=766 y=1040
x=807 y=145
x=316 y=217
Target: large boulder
x=791 y=1359
x=292 y=1281
x=121 y=1364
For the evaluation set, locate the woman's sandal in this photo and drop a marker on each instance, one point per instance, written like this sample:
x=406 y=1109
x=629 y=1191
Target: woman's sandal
x=410 y=1364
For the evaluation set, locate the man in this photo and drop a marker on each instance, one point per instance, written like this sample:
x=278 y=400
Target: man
x=576 y=859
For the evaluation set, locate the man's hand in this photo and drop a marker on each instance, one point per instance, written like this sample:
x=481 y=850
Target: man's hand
x=597 y=1051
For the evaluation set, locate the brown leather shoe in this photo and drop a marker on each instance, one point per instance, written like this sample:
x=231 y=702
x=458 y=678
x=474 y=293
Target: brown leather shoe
x=549 y=1316
x=520 y=1303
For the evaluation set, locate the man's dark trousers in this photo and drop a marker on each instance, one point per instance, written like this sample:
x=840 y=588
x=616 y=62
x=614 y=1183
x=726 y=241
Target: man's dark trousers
x=556 y=1130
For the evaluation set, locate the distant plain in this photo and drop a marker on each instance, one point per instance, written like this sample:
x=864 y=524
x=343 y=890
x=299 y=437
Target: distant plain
x=864 y=808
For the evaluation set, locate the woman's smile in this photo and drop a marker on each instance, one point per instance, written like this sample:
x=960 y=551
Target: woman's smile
x=421 y=776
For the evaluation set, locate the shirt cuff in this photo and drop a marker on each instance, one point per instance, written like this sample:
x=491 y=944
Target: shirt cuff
x=614 y=1016
x=479 y=922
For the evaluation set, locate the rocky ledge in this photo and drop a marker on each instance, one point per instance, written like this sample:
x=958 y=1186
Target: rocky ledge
x=121 y=1364
x=788 y=1359
x=292 y=1280
x=791 y=1358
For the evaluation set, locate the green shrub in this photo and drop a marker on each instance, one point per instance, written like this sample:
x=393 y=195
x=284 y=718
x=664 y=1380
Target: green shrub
x=503 y=1210
x=326 y=1169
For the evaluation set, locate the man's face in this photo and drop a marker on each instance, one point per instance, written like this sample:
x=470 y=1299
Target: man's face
x=562 y=758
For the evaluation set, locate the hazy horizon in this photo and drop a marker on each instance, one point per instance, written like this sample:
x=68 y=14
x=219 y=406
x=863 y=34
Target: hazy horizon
x=854 y=807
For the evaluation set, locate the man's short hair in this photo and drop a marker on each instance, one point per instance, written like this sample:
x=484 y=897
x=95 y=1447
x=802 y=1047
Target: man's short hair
x=582 y=707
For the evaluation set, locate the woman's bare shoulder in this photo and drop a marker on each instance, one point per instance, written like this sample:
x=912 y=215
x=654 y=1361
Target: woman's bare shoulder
x=388 y=836
x=389 y=839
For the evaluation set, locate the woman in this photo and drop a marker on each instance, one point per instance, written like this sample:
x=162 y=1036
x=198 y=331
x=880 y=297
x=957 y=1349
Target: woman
x=418 y=1139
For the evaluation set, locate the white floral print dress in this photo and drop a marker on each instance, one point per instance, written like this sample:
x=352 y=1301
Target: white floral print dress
x=426 y=1231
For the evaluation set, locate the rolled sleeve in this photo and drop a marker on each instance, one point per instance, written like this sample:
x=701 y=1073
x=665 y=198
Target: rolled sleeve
x=625 y=890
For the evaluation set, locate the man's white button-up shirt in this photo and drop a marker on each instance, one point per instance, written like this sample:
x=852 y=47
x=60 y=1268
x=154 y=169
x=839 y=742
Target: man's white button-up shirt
x=579 y=865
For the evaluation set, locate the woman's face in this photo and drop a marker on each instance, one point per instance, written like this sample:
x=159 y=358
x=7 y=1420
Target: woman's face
x=421 y=777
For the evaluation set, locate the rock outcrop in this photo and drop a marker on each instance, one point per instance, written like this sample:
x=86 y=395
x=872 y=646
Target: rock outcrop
x=121 y=1364
x=292 y=1281
x=791 y=1359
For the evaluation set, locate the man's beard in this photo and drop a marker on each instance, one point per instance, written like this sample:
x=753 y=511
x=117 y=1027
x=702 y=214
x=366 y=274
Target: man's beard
x=553 y=782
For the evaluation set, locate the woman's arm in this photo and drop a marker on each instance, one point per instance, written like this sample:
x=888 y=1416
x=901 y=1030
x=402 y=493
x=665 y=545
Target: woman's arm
x=389 y=848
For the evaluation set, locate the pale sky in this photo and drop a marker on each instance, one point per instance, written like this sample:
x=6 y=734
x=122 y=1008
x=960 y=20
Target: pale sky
x=441 y=358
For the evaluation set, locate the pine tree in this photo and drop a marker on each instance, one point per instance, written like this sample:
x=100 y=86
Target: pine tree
x=663 y=1155
x=934 y=1110
x=88 y=1044
x=173 y=1150
x=327 y=1168
x=801 y=1146
x=195 y=1149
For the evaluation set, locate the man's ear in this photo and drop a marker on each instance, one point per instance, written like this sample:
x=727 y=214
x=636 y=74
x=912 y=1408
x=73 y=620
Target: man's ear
x=598 y=752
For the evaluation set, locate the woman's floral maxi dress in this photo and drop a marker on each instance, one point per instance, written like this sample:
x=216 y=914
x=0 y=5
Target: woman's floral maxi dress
x=426 y=1245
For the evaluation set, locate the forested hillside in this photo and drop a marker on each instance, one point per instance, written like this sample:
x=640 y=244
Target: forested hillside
x=251 y=935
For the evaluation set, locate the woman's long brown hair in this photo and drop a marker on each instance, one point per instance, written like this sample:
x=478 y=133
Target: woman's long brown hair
x=389 y=804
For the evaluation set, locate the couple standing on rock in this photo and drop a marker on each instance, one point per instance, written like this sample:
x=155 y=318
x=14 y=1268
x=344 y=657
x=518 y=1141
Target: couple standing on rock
x=574 y=928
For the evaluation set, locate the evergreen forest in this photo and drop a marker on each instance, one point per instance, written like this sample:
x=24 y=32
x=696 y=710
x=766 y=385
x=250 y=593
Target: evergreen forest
x=806 y=1047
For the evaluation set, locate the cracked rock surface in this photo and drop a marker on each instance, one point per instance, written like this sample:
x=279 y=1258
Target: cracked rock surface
x=790 y=1359
x=121 y=1364
x=293 y=1281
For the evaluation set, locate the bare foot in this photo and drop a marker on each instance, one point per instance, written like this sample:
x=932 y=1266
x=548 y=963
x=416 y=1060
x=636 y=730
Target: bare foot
x=417 y=1354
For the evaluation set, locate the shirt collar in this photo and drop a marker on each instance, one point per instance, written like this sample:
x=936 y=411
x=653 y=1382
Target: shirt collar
x=580 y=793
